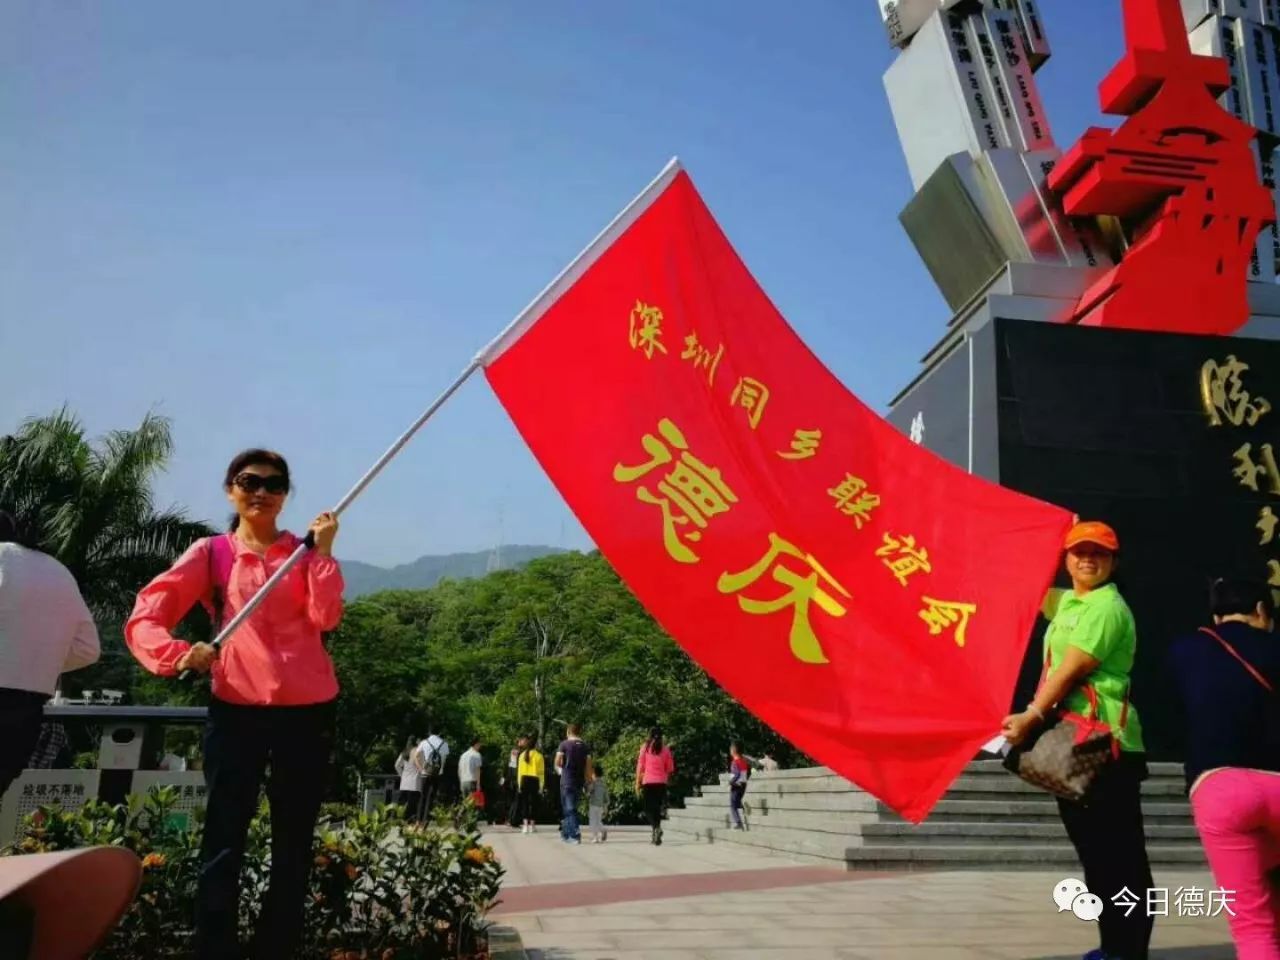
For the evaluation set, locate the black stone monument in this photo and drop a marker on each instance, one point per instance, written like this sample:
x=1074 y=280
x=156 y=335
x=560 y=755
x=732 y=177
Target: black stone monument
x=1173 y=440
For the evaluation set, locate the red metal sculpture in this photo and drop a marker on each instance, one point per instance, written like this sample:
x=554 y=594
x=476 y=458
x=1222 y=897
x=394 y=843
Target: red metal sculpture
x=1181 y=174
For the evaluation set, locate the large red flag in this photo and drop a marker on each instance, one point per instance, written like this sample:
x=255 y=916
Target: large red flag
x=864 y=598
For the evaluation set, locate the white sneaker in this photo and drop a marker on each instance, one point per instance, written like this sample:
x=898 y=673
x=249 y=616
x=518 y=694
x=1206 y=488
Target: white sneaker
x=524 y=828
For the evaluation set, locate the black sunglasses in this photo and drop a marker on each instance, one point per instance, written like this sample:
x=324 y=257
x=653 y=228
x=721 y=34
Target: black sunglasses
x=252 y=483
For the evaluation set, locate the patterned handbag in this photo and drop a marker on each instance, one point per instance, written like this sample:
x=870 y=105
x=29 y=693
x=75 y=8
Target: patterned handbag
x=1070 y=752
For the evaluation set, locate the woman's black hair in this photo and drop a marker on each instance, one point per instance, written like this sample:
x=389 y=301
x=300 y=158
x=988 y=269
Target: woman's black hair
x=408 y=747
x=1229 y=596
x=655 y=740
x=255 y=457
x=530 y=744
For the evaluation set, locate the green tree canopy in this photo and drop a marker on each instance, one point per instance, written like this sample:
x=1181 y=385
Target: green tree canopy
x=91 y=505
x=526 y=651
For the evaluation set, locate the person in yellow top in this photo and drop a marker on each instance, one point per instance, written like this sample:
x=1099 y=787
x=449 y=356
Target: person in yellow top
x=531 y=774
x=1092 y=641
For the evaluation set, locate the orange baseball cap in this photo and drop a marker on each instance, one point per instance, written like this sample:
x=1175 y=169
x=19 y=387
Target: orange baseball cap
x=1092 y=532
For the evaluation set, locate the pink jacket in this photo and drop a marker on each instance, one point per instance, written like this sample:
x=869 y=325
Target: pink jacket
x=655 y=767
x=277 y=656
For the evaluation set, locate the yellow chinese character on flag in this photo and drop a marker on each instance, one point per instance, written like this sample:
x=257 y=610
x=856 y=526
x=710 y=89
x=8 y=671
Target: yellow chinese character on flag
x=854 y=500
x=941 y=614
x=803 y=589
x=751 y=395
x=1273 y=568
x=646 y=329
x=1248 y=472
x=691 y=493
x=1267 y=524
x=702 y=357
x=903 y=557
x=1224 y=396
x=803 y=446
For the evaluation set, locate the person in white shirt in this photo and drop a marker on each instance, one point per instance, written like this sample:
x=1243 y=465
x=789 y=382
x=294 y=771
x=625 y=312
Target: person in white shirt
x=469 y=767
x=45 y=630
x=430 y=758
x=410 y=794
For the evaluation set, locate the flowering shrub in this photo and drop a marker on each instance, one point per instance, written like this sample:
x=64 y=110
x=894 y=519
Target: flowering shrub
x=381 y=888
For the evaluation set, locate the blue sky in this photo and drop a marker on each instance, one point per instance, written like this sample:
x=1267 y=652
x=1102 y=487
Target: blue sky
x=292 y=224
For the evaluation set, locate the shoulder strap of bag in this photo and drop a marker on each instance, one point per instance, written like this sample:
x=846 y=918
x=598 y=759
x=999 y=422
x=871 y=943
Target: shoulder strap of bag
x=1253 y=672
x=221 y=556
x=1090 y=693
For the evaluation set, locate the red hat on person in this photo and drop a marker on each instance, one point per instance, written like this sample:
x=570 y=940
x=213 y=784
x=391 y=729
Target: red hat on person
x=1092 y=532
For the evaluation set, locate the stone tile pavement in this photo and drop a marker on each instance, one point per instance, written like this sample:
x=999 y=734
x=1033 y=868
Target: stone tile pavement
x=629 y=900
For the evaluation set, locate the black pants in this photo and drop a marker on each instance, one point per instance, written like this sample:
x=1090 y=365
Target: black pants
x=736 y=792
x=512 y=786
x=431 y=786
x=21 y=713
x=1110 y=840
x=655 y=796
x=529 y=790
x=411 y=800
x=239 y=745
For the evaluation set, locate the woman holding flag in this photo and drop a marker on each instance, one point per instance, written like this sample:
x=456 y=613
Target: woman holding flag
x=274 y=690
x=1092 y=642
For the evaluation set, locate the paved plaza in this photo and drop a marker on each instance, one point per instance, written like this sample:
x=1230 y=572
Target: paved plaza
x=629 y=900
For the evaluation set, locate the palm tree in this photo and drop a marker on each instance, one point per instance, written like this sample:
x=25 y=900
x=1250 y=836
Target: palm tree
x=91 y=506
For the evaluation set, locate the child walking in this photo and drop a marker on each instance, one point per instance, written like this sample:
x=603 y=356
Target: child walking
x=597 y=800
x=739 y=772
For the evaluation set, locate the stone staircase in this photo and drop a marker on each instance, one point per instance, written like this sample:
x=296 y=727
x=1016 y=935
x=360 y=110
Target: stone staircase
x=989 y=819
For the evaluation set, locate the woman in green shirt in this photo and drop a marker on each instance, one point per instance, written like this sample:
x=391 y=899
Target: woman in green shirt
x=1092 y=641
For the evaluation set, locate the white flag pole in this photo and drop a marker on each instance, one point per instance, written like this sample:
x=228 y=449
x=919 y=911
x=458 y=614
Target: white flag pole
x=523 y=321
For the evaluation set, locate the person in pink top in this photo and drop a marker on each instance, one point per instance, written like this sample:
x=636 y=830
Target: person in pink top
x=654 y=767
x=274 y=690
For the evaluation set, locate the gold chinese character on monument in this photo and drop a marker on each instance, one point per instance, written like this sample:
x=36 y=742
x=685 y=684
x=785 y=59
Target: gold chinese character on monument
x=803 y=445
x=854 y=500
x=690 y=494
x=1273 y=571
x=1224 y=396
x=941 y=614
x=803 y=589
x=1249 y=472
x=1267 y=522
x=702 y=357
x=646 y=329
x=903 y=557
x=752 y=395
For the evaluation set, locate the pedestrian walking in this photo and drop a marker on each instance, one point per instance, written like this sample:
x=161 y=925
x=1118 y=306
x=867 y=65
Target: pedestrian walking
x=409 y=796
x=739 y=774
x=573 y=763
x=532 y=771
x=430 y=757
x=597 y=803
x=654 y=767
x=470 y=765
x=45 y=630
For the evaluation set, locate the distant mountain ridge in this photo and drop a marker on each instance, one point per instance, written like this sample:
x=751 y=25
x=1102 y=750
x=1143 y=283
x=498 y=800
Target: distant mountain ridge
x=365 y=578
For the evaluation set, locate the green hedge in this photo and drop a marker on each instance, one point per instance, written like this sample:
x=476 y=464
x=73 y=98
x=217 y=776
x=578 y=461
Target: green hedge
x=381 y=888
